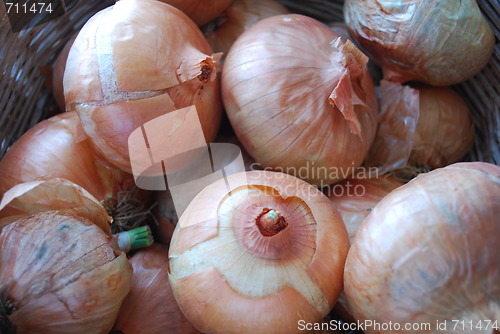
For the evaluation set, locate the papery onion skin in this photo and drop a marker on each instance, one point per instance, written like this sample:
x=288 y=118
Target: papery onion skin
x=438 y=43
x=227 y=277
x=299 y=99
x=200 y=11
x=136 y=61
x=429 y=252
x=445 y=128
x=150 y=307
x=59 y=148
x=238 y=17
x=62 y=275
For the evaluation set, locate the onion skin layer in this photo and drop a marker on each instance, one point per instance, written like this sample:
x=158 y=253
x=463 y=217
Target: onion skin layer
x=150 y=306
x=429 y=251
x=439 y=43
x=62 y=274
x=134 y=62
x=300 y=99
x=227 y=277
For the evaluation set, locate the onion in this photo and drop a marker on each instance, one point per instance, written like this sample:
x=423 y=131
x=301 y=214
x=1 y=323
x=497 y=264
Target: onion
x=256 y=252
x=60 y=274
x=421 y=126
x=356 y=198
x=59 y=148
x=150 y=307
x=238 y=17
x=200 y=11
x=428 y=253
x=438 y=43
x=136 y=61
x=300 y=100
x=58 y=74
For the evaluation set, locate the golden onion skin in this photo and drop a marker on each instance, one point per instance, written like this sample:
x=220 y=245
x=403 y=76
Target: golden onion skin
x=440 y=43
x=428 y=252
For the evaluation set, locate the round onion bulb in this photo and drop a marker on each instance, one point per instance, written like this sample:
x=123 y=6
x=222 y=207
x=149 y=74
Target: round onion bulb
x=60 y=274
x=257 y=252
x=440 y=43
x=150 y=307
x=134 y=62
x=428 y=253
x=300 y=99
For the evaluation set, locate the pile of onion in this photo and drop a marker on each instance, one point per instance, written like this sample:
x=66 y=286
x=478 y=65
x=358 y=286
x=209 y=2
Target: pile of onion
x=150 y=307
x=439 y=42
x=428 y=253
x=136 y=61
x=238 y=17
x=200 y=11
x=300 y=99
x=60 y=273
x=421 y=126
x=255 y=253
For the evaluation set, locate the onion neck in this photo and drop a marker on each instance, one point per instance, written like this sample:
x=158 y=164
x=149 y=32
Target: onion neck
x=270 y=222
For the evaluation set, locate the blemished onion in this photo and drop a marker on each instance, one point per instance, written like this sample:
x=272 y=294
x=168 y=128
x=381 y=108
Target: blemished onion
x=421 y=126
x=136 y=61
x=59 y=148
x=60 y=274
x=200 y=11
x=150 y=307
x=300 y=100
x=440 y=43
x=428 y=253
x=256 y=252
x=238 y=17
x=58 y=74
